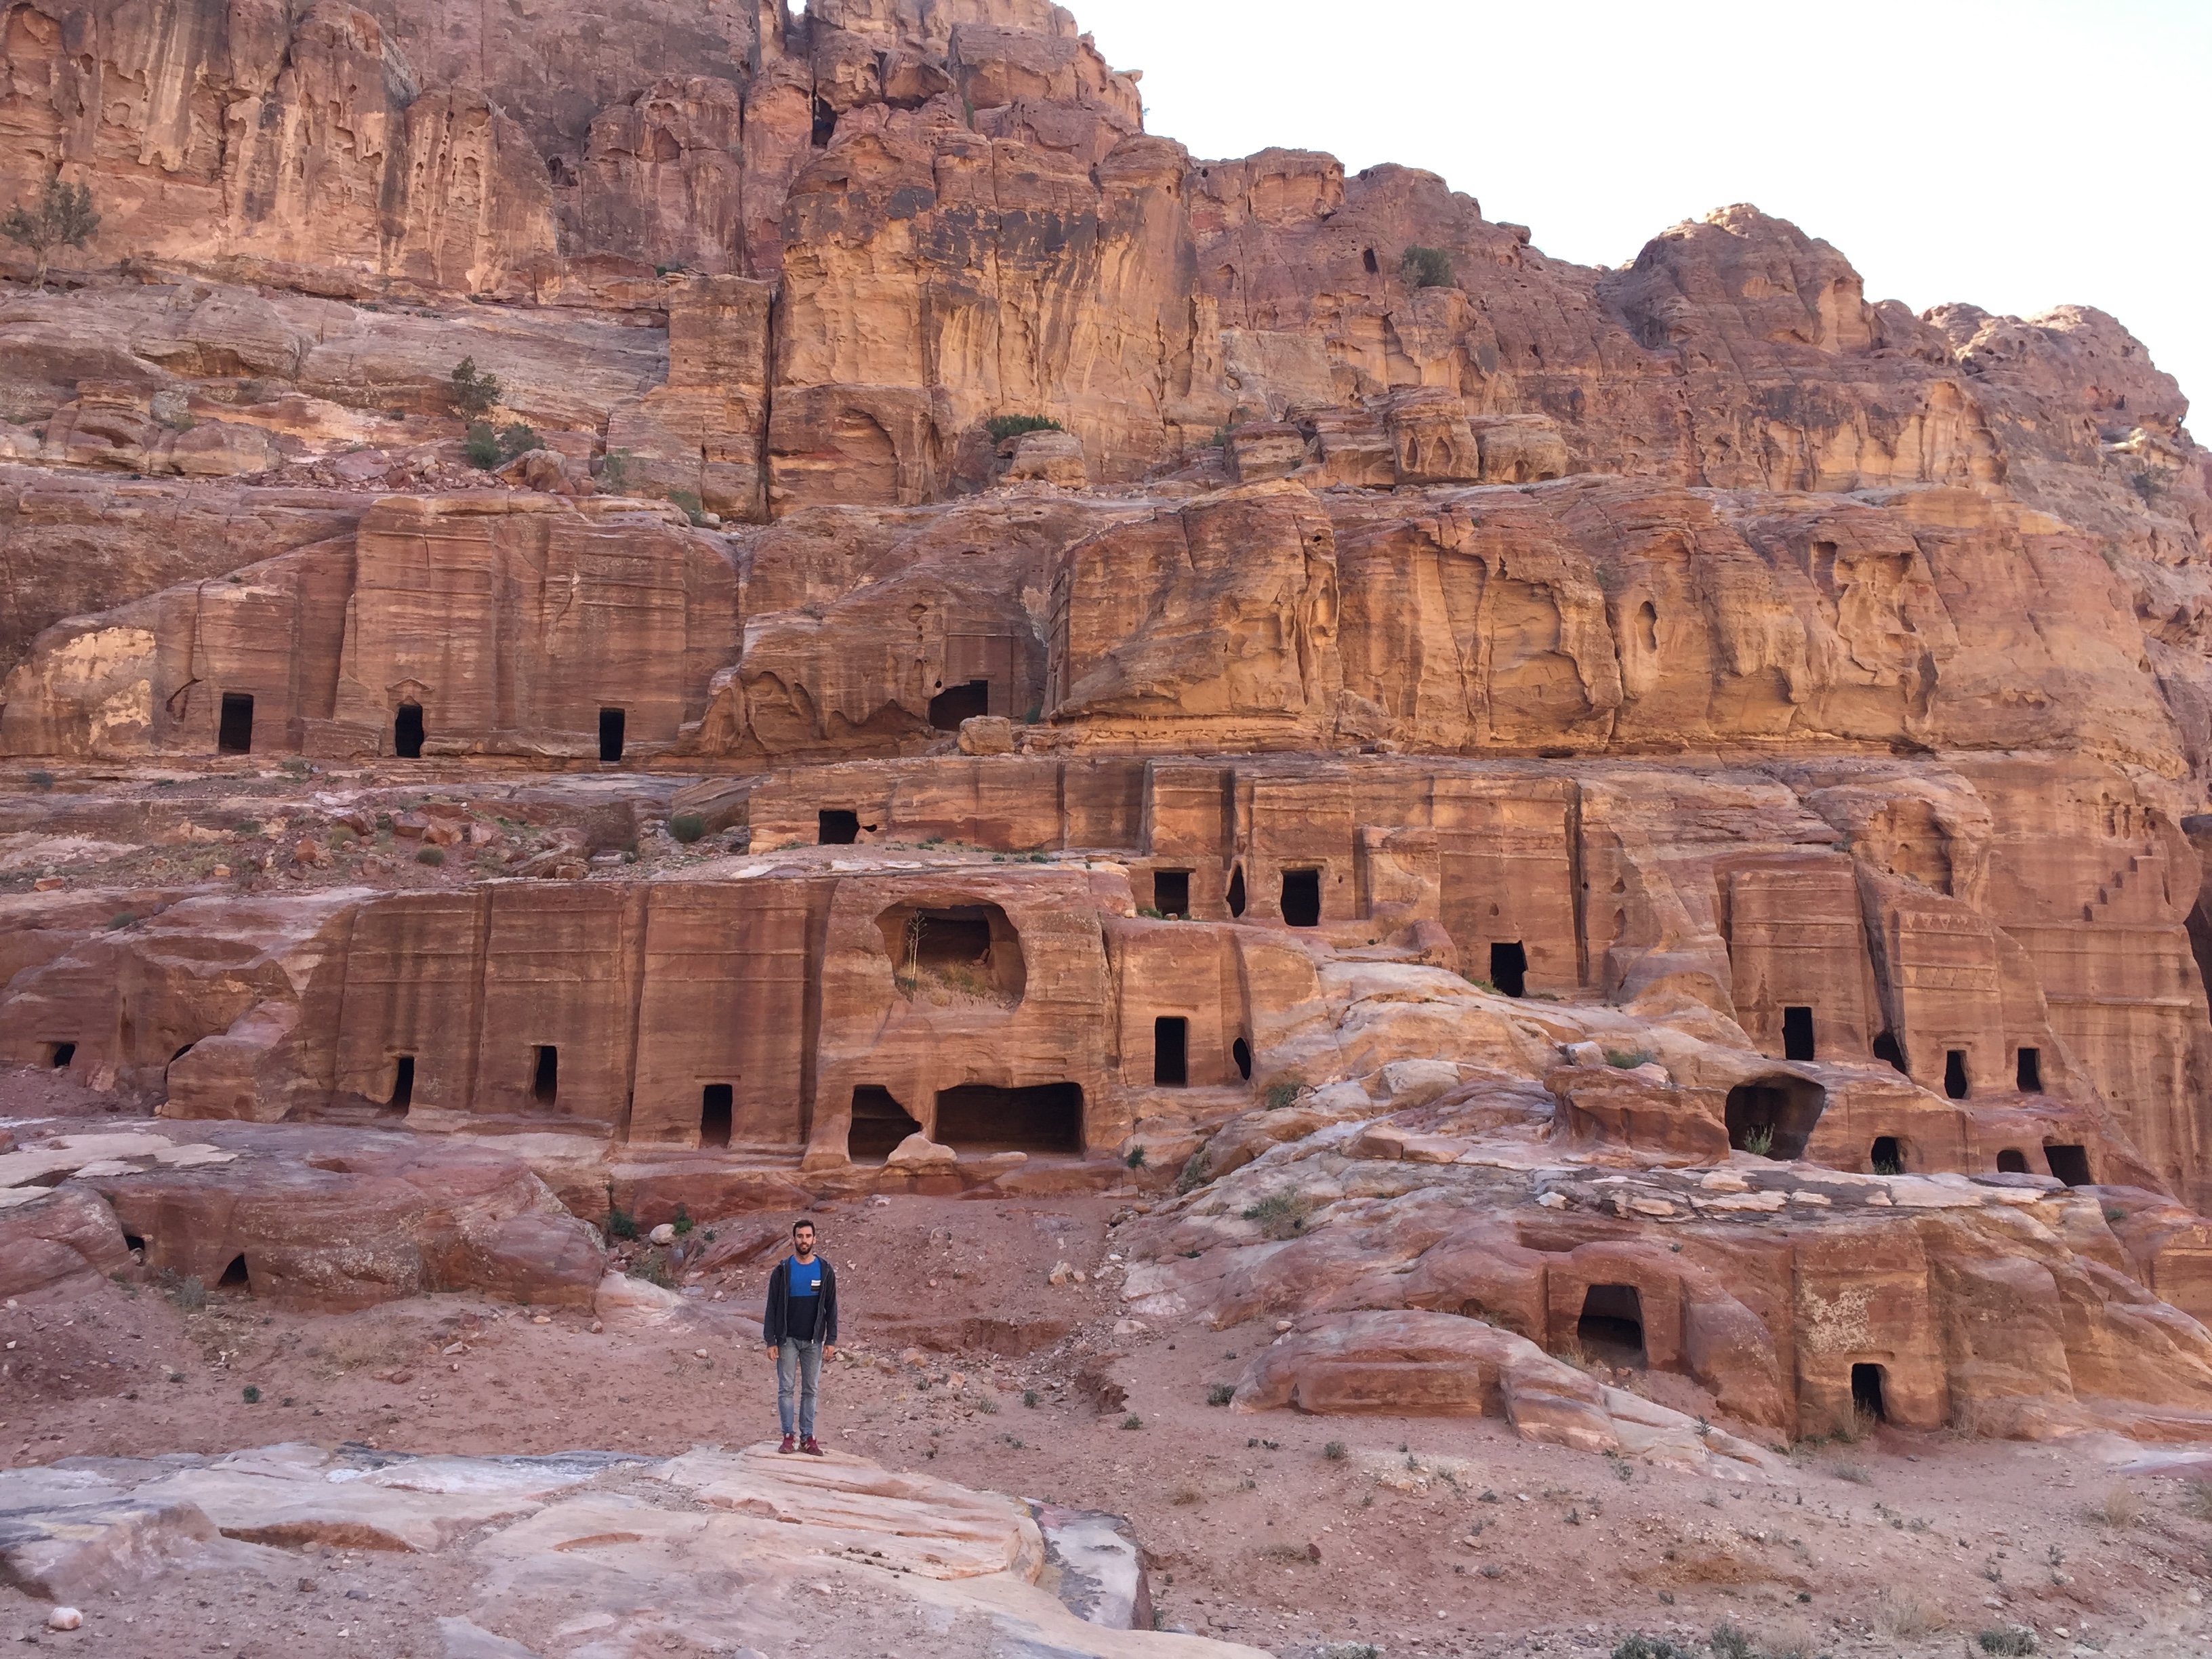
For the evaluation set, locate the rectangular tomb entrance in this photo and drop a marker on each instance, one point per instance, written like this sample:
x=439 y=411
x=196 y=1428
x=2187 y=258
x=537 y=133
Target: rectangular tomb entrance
x=976 y=1117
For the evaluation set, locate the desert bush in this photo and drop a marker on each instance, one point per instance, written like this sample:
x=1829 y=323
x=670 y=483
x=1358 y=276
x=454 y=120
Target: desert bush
x=682 y=1223
x=1905 y=1615
x=1730 y=1643
x=473 y=391
x=1280 y=1215
x=621 y=1224
x=1759 y=1142
x=1136 y=1157
x=516 y=438
x=1029 y=1398
x=1196 y=1172
x=1627 y=1059
x=690 y=504
x=2011 y=1639
x=2119 y=1508
x=250 y=1394
x=1641 y=1646
x=189 y=1295
x=121 y=919
x=1003 y=426
x=1133 y=1421
x=1286 y=1091
x=1220 y=1394
x=1336 y=1451
x=1854 y=1473
x=1427 y=267
x=41 y=779
x=482 y=446
x=617 y=470
x=687 y=827
x=62 y=217
x=432 y=856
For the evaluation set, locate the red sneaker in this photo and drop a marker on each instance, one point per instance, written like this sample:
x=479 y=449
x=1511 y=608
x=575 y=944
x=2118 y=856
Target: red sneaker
x=812 y=1447
x=790 y=1443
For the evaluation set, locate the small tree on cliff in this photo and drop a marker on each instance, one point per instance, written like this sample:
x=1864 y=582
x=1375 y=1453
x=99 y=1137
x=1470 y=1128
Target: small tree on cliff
x=1427 y=267
x=474 y=391
x=63 y=218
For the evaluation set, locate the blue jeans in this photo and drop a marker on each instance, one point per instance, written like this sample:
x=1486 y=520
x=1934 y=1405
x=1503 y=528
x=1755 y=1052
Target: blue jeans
x=797 y=1364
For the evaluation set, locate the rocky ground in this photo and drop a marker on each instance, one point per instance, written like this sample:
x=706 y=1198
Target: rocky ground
x=963 y=1360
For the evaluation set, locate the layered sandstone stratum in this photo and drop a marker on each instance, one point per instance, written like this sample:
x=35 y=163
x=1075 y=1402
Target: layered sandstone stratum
x=1649 y=812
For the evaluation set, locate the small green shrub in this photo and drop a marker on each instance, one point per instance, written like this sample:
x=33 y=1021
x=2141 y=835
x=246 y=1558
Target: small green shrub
x=120 y=919
x=250 y=1394
x=516 y=438
x=1150 y=913
x=1730 y=1643
x=1428 y=267
x=1480 y=984
x=474 y=392
x=432 y=856
x=690 y=503
x=2113 y=1213
x=190 y=1295
x=687 y=827
x=1627 y=1059
x=1336 y=1451
x=1029 y=1398
x=621 y=1224
x=683 y=1223
x=2011 y=1640
x=1286 y=1091
x=1280 y=1215
x=618 y=472
x=1133 y=1421
x=1136 y=1157
x=1854 y=1473
x=1641 y=1646
x=482 y=446
x=988 y=1405
x=1759 y=1142
x=1003 y=426
x=1196 y=1171
x=1220 y=1394
x=42 y=779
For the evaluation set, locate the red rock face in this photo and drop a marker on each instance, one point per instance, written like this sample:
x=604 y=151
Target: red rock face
x=1092 y=665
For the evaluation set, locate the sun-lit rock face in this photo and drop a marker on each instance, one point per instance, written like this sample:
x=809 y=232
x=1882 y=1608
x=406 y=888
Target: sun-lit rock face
x=834 y=616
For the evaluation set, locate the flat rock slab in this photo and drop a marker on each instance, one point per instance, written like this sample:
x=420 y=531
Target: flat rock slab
x=595 y=1555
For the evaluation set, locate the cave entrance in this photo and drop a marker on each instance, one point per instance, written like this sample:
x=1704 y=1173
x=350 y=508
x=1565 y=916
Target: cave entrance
x=235 y=1277
x=1611 y=1329
x=1236 y=891
x=612 y=723
x=1887 y=1157
x=1868 y=1384
x=835 y=826
x=1301 y=897
x=1774 y=1116
x=1171 y=892
x=58 y=1054
x=717 y=1104
x=1508 y=968
x=956 y=703
x=1171 y=1051
x=879 y=1124
x=2027 y=1074
x=978 y=1117
x=1954 y=1074
x=402 y=1083
x=2012 y=1161
x=545 y=1076
x=2070 y=1164
x=1887 y=1047
x=966 y=950
x=1798 y=1035
x=1241 y=1052
x=407 y=731
x=234 y=732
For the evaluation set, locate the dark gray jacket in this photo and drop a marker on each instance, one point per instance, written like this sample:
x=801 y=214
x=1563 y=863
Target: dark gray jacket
x=776 y=1321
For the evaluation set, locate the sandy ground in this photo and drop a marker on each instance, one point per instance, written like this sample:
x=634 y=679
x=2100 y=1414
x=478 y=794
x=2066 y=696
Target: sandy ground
x=1423 y=1536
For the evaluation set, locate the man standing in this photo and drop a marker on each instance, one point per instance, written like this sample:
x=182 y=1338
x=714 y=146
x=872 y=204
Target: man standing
x=800 y=1329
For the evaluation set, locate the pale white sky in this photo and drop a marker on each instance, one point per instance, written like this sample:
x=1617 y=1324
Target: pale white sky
x=2017 y=154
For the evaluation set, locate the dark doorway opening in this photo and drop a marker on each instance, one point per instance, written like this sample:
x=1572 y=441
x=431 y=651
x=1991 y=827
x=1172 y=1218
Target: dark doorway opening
x=545 y=1078
x=1867 y=1393
x=403 y=1082
x=1954 y=1074
x=717 y=1101
x=1509 y=968
x=956 y=703
x=234 y=1277
x=1373 y=266
x=1611 y=1327
x=2070 y=1164
x=235 y=735
x=611 y=724
x=59 y=1055
x=1887 y=1156
x=879 y=1124
x=2028 y=1073
x=825 y=124
x=835 y=827
x=132 y=1241
x=2012 y=1161
x=977 y=1117
x=1774 y=1116
x=1171 y=1051
x=407 y=731
x=1887 y=1047
x=1241 y=1052
x=1236 y=891
x=1171 y=892
x=1797 y=1034
x=1301 y=897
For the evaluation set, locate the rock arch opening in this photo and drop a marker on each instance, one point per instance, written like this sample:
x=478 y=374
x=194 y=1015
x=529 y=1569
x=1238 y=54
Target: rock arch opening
x=1888 y=1048
x=59 y=1055
x=946 y=953
x=1171 y=892
x=407 y=731
x=879 y=1124
x=1301 y=897
x=613 y=724
x=2012 y=1161
x=234 y=730
x=1508 y=968
x=1171 y=1051
x=1887 y=1155
x=956 y=703
x=1868 y=1392
x=2028 y=1071
x=2070 y=1164
x=1241 y=1052
x=836 y=826
x=1954 y=1074
x=978 y=1117
x=1236 y=894
x=1774 y=1116
x=1611 y=1329
x=402 y=1083
x=545 y=1076
x=235 y=1277
x=1798 y=1041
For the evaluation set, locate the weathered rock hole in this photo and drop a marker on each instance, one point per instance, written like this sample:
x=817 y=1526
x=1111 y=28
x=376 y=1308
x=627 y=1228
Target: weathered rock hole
x=58 y=1054
x=1236 y=891
x=402 y=1083
x=1611 y=1329
x=956 y=703
x=980 y=1118
x=545 y=1076
x=2012 y=1161
x=1171 y=892
x=1508 y=968
x=1867 y=1383
x=407 y=731
x=611 y=724
x=879 y=1123
x=2028 y=1071
x=1887 y=1156
x=1241 y=1052
x=969 y=949
x=234 y=1277
x=1954 y=1074
x=1781 y=1111
x=1301 y=897
x=1887 y=1047
x=835 y=827
x=2070 y=1164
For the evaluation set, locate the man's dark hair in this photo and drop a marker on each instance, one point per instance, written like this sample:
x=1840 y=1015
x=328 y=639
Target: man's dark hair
x=796 y=1225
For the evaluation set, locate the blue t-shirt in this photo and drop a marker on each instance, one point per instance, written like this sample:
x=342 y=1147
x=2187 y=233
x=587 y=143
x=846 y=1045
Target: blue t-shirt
x=804 y=1290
